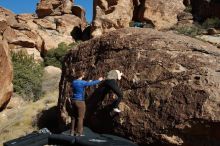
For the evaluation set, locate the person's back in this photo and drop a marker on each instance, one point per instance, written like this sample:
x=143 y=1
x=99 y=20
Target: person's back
x=79 y=87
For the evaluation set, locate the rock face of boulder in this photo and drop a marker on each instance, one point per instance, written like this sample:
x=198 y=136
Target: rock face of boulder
x=110 y=15
x=6 y=75
x=203 y=9
x=171 y=86
x=6 y=17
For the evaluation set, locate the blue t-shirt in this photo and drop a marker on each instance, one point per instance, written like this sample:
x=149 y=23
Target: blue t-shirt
x=79 y=88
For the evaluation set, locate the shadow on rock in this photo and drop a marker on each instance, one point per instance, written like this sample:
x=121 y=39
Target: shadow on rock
x=81 y=35
x=49 y=119
x=98 y=110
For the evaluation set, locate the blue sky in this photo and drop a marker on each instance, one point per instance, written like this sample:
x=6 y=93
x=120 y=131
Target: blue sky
x=29 y=6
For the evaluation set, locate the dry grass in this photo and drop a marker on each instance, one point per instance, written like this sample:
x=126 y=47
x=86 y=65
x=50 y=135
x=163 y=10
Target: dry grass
x=18 y=121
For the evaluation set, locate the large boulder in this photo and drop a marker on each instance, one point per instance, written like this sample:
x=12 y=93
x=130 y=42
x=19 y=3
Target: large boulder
x=44 y=9
x=29 y=20
x=6 y=18
x=171 y=86
x=54 y=7
x=161 y=13
x=67 y=6
x=7 y=14
x=110 y=15
x=64 y=25
x=20 y=38
x=6 y=75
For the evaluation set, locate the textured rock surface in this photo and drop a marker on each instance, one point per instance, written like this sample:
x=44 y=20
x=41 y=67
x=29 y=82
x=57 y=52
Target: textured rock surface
x=54 y=7
x=185 y=19
x=6 y=17
x=203 y=9
x=213 y=39
x=6 y=75
x=160 y=13
x=64 y=26
x=171 y=86
x=42 y=34
x=110 y=15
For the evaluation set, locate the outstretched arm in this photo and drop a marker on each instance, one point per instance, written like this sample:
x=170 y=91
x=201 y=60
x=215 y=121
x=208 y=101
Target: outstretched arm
x=91 y=83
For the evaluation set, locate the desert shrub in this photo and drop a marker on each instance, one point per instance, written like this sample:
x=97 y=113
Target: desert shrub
x=27 y=76
x=189 y=30
x=211 y=22
x=54 y=57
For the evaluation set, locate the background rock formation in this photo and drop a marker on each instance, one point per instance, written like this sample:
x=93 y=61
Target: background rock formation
x=110 y=15
x=54 y=7
x=35 y=34
x=171 y=86
x=6 y=75
x=160 y=13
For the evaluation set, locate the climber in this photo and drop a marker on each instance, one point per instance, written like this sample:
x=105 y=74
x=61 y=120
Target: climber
x=110 y=84
x=78 y=102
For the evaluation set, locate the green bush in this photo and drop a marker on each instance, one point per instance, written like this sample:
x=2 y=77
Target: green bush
x=27 y=76
x=54 y=57
x=211 y=22
x=189 y=30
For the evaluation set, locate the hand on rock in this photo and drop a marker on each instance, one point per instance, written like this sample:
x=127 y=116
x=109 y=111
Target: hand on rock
x=101 y=78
